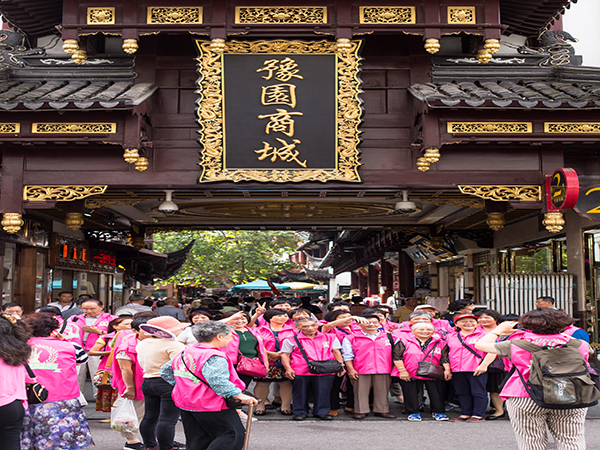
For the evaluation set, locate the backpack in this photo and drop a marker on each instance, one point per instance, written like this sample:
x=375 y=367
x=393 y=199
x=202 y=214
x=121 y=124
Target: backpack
x=559 y=377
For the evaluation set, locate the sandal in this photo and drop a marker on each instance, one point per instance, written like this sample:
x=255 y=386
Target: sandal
x=286 y=412
x=259 y=412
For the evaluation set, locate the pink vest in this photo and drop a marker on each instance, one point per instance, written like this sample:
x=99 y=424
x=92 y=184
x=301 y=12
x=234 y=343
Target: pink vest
x=232 y=349
x=371 y=356
x=190 y=393
x=128 y=344
x=73 y=333
x=12 y=384
x=269 y=340
x=522 y=359
x=413 y=353
x=341 y=333
x=55 y=368
x=317 y=349
x=461 y=359
x=101 y=323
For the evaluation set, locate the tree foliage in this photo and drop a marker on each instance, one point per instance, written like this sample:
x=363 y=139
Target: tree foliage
x=229 y=257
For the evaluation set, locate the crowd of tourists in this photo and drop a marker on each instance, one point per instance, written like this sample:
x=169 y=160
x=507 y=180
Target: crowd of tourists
x=204 y=361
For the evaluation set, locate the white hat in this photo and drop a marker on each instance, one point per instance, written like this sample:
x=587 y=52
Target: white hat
x=426 y=307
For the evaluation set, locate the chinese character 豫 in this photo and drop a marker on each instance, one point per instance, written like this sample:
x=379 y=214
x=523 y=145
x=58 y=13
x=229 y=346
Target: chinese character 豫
x=284 y=70
x=280 y=122
x=287 y=153
x=279 y=94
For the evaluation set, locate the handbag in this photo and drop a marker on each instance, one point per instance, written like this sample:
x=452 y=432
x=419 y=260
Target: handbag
x=36 y=393
x=427 y=369
x=102 y=379
x=252 y=367
x=319 y=367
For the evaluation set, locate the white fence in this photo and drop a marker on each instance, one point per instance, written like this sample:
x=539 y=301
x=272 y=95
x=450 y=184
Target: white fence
x=516 y=292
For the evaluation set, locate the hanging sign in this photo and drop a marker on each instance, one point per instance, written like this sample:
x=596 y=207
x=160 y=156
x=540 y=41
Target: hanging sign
x=279 y=111
x=562 y=190
x=588 y=204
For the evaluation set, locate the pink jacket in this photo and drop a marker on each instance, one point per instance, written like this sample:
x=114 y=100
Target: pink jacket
x=317 y=349
x=101 y=323
x=128 y=345
x=461 y=359
x=190 y=393
x=13 y=384
x=371 y=356
x=233 y=348
x=413 y=353
x=55 y=368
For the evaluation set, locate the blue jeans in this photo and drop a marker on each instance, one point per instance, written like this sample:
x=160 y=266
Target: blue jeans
x=471 y=391
x=160 y=415
x=321 y=387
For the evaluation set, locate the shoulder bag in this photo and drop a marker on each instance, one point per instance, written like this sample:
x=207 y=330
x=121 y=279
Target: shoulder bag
x=427 y=369
x=36 y=393
x=102 y=379
x=468 y=347
x=319 y=367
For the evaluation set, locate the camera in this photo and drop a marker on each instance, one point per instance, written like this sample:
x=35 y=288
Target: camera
x=406 y=207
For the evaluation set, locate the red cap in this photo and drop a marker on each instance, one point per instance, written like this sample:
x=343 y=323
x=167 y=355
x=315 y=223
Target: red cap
x=465 y=316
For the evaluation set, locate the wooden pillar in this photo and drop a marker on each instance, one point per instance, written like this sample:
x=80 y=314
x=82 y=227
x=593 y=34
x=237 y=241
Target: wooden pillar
x=25 y=283
x=373 y=282
x=362 y=285
x=387 y=279
x=12 y=181
x=406 y=274
x=354 y=280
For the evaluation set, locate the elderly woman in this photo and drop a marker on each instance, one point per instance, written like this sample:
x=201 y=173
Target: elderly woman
x=421 y=344
x=59 y=422
x=14 y=353
x=544 y=328
x=469 y=376
x=197 y=315
x=203 y=376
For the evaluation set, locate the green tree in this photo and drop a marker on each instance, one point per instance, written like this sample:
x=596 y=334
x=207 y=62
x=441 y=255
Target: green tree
x=229 y=257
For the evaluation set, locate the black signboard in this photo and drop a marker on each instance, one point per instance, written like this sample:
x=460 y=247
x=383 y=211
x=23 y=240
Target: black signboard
x=588 y=204
x=281 y=111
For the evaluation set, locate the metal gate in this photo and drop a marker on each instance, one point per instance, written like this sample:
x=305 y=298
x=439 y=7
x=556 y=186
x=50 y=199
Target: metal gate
x=516 y=292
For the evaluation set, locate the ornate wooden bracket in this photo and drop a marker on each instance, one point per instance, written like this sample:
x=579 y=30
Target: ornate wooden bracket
x=527 y=193
x=61 y=193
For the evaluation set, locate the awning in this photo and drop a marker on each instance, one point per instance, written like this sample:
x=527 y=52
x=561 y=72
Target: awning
x=258 y=285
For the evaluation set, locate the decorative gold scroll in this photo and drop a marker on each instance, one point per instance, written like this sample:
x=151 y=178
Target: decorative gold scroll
x=75 y=128
x=387 y=14
x=530 y=193
x=101 y=16
x=572 y=127
x=490 y=127
x=461 y=14
x=281 y=14
x=61 y=193
x=177 y=14
x=94 y=203
x=211 y=119
x=10 y=128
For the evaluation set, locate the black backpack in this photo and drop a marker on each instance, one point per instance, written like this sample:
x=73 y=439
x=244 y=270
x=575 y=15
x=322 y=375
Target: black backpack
x=559 y=377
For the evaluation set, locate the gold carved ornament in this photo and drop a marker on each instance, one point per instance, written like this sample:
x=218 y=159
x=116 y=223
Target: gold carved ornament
x=571 y=127
x=75 y=128
x=461 y=14
x=387 y=14
x=495 y=220
x=11 y=222
x=183 y=15
x=10 y=128
x=95 y=203
x=61 y=193
x=281 y=14
x=490 y=127
x=101 y=16
x=211 y=119
x=554 y=221
x=529 y=193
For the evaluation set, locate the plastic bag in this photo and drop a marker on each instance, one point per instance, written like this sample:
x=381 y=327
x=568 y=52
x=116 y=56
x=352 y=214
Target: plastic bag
x=123 y=418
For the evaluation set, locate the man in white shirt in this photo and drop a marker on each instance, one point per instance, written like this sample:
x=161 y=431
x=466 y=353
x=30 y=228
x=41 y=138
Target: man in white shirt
x=65 y=302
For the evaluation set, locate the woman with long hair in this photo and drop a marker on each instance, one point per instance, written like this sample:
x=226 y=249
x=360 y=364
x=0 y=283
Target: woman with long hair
x=14 y=353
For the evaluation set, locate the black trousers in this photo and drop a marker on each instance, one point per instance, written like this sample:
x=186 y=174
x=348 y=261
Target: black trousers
x=11 y=422
x=218 y=430
x=335 y=393
x=413 y=390
x=160 y=414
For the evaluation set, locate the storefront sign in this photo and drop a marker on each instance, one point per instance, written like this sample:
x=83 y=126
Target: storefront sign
x=279 y=111
x=70 y=253
x=588 y=204
x=562 y=189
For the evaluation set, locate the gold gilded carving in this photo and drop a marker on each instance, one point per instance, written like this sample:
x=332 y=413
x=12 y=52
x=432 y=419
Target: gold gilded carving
x=95 y=203
x=571 y=127
x=210 y=112
x=61 y=193
x=468 y=202
x=12 y=222
x=10 y=128
x=554 y=221
x=86 y=128
x=387 y=14
x=177 y=14
x=281 y=14
x=489 y=127
x=461 y=14
x=530 y=193
x=103 y=16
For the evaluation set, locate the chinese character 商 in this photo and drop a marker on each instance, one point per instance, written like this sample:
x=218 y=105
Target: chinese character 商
x=280 y=122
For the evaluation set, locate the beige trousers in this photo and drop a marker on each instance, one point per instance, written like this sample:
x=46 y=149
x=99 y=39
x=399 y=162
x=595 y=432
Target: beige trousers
x=362 y=387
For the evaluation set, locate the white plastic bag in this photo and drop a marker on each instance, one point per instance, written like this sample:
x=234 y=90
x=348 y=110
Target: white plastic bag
x=123 y=418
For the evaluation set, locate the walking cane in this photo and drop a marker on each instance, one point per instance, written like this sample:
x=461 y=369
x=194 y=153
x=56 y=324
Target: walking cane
x=248 y=424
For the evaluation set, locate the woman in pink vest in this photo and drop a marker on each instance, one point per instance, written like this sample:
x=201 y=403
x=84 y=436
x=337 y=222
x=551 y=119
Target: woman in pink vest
x=529 y=420
x=469 y=376
x=59 y=422
x=368 y=358
x=203 y=376
x=272 y=335
x=421 y=344
x=14 y=353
